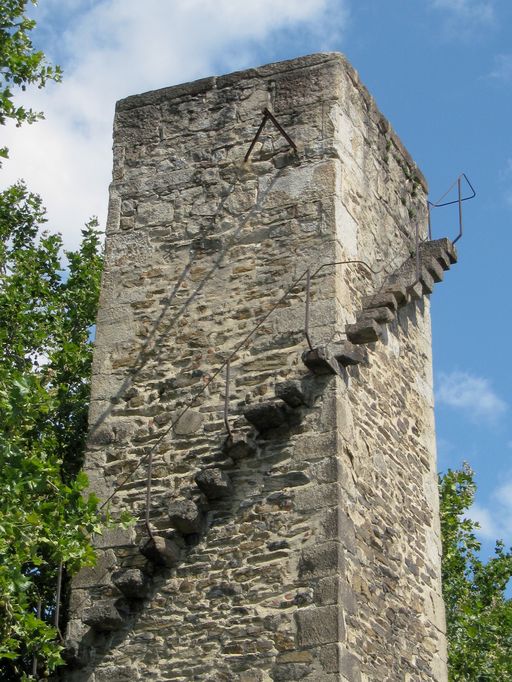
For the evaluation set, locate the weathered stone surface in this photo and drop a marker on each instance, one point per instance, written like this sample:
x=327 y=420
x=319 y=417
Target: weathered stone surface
x=239 y=447
x=104 y=616
x=100 y=573
x=380 y=300
x=188 y=423
x=214 y=483
x=333 y=526
x=366 y=331
x=383 y=315
x=434 y=269
x=348 y=354
x=441 y=249
x=161 y=551
x=186 y=517
x=415 y=291
x=115 y=537
x=76 y=654
x=398 y=291
x=133 y=583
x=292 y=393
x=319 y=625
x=265 y=416
x=320 y=360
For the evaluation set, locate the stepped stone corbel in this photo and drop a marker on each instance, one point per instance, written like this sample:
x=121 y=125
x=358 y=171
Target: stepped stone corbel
x=293 y=394
x=106 y=615
x=186 y=517
x=347 y=354
x=364 y=331
x=321 y=360
x=214 y=483
x=383 y=315
x=162 y=551
x=238 y=447
x=133 y=583
x=266 y=416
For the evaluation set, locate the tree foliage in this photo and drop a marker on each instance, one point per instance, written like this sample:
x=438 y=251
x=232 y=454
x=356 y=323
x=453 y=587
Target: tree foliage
x=46 y=313
x=478 y=612
x=20 y=63
x=47 y=307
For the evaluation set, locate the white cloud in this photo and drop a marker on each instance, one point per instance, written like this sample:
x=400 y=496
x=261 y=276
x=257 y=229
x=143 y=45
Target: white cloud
x=113 y=48
x=495 y=519
x=502 y=68
x=470 y=394
x=463 y=18
x=468 y=10
x=506 y=179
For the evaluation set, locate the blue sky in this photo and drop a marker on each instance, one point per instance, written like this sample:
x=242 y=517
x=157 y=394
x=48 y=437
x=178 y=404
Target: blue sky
x=440 y=70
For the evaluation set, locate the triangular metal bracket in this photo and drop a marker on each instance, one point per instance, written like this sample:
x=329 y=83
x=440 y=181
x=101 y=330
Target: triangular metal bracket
x=266 y=116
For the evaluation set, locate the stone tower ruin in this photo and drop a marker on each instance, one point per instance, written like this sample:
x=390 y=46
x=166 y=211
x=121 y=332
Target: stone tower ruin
x=262 y=392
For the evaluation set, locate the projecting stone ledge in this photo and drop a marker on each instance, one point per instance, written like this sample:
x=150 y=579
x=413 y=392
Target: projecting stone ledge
x=265 y=416
x=347 y=354
x=292 y=393
x=366 y=331
x=238 y=447
x=133 y=583
x=383 y=315
x=321 y=360
x=161 y=551
x=382 y=299
x=214 y=483
x=186 y=517
x=105 y=616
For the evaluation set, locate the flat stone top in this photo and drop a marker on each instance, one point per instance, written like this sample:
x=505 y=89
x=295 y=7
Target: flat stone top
x=203 y=85
x=218 y=82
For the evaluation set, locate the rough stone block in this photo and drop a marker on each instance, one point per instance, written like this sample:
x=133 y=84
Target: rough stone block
x=265 y=416
x=238 y=447
x=105 y=616
x=186 y=517
x=434 y=269
x=115 y=537
x=75 y=654
x=320 y=361
x=292 y=393
x=189 y=422
x=367 y=331
x=379 y=300
x=383 y=315
x=415 y=291
x=214 y=483
x=399 y=291
x=161 y=551
x=133 y=583
x=427 y=281
x=348 y=354
x=320 y=560
x=98 y=574
x=318 y=625
x=441 y=249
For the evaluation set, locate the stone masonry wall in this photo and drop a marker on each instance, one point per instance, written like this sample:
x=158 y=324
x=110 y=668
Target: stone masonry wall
x=322 y=562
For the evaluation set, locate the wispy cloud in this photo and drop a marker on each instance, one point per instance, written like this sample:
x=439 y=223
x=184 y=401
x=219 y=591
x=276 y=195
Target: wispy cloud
x=502 y=70
x=470 y=394
x=114 y=48
x=506 y=180
x=495 y=518
x=463 y=17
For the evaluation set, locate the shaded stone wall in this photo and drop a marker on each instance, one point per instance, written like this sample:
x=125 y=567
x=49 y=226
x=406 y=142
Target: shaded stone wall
x=321 y=560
